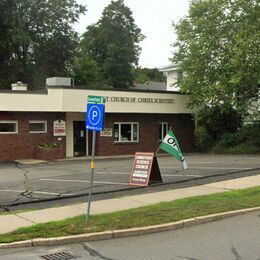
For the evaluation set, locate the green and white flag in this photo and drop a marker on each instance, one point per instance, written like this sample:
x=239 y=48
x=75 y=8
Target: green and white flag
x=171 y=146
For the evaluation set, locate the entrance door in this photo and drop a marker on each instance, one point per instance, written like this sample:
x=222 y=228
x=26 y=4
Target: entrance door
x=79 y=138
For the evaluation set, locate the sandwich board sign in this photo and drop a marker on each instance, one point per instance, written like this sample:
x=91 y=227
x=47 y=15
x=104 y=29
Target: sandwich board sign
x=145 y=170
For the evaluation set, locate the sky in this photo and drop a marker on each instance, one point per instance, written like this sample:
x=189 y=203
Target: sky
x=153 y=17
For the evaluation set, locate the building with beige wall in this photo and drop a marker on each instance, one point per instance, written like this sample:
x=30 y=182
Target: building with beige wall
x=50 y=124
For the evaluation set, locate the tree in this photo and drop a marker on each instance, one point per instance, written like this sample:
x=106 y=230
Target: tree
x=141 y=75
x=113 y=44
x=214 y=120
x=218 y=50
x=37 y=39
x=86 y=72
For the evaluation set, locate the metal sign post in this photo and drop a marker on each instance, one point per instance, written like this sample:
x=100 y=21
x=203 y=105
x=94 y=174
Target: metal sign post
x=94 y=122
x=92 y=167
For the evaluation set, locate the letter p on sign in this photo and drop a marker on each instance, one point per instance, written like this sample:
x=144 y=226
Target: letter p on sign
x=94 y=117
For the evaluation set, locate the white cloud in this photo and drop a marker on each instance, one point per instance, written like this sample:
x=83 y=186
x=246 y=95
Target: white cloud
x=153 y=17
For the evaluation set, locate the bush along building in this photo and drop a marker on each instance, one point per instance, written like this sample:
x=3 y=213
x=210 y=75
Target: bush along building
x=50 y=124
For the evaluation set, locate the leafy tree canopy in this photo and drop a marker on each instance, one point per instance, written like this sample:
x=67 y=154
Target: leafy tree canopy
x=141 y=75
x=214 y=120
x=217 y=47
x=112 y=44
x=36 y=39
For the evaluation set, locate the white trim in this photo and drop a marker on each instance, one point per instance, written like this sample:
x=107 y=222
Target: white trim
x=38 y=122
x=132 y=132
x=8 y=122
x=161 y=124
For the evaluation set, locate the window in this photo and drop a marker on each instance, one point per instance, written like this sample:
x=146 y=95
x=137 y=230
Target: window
x=38 y=127
x=163 y=130
x=8 y=127
x=126 y=132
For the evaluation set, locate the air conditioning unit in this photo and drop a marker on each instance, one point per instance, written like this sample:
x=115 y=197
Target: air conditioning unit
x=60 y=81
x=19 y=86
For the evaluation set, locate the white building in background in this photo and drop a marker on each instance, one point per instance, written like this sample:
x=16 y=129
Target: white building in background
x=172 y=74
x=150 y=85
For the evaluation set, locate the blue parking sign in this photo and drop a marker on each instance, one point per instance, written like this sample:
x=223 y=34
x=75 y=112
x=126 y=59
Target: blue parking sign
x=94 y=117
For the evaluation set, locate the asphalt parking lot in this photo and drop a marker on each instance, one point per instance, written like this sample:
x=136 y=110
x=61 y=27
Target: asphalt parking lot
x=25 y=186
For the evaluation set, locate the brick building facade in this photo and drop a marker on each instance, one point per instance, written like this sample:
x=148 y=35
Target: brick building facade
x=135 y=121
x=23 y=144
x=149 y=127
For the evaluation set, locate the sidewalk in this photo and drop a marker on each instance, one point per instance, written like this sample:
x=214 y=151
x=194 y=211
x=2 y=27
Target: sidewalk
x=11 y=222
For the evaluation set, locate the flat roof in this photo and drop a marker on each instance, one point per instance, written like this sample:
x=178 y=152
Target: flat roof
x=73 y=99
x=171 y=67
x=45 y=90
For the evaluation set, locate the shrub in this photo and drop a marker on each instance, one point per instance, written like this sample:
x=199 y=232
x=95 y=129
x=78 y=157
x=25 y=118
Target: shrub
x=246 y=140
x=203 y=140
x=48 y=145
x=219 y=120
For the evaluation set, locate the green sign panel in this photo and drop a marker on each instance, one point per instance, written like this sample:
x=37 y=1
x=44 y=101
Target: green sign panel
x=96 y=99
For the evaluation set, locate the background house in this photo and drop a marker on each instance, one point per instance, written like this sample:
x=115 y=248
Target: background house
x=172 y=74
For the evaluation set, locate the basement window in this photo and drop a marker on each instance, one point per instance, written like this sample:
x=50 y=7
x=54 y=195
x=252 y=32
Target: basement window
x=8 y=127
x=126 y=132
x=37 y=127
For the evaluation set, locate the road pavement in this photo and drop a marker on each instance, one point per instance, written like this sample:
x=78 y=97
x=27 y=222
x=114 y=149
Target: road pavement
x=23 y=185
x=233 y=238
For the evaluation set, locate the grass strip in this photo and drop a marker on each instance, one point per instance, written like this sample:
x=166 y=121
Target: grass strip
x=164 y=212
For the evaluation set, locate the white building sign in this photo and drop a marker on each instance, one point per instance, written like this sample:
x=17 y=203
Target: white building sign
x=107 y=132
x=59 y=128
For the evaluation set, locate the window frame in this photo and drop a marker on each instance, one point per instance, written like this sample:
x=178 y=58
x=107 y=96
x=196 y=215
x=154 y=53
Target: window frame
x=8 y=122
x=132 y=132
x=161 y=128
x=38 y=122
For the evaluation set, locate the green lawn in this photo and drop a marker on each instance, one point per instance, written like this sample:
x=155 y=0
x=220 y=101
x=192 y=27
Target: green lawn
x=150 y=215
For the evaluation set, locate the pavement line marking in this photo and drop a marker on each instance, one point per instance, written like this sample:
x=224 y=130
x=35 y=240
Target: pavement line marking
x=122 y=173
x=183 y=175
x=80 y=181
x=167 y=175
x=235 y=162
x=178 y=167
x=211 y=168
x=175 y=175
x=12 y=191
x=174 y=167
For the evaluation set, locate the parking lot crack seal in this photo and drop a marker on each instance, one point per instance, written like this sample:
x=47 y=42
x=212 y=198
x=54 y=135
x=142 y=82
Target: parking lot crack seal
x=133 y=200
x=26 y=219
x=28 y=190
x=217 y=187
x=235 y=253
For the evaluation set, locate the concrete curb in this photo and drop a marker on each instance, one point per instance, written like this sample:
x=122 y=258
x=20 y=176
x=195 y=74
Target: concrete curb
x=126 y=232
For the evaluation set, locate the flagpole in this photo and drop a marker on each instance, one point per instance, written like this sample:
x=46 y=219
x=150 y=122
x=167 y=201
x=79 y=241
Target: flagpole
x=170 y=145
x=157 y=151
